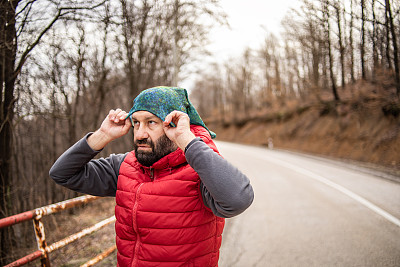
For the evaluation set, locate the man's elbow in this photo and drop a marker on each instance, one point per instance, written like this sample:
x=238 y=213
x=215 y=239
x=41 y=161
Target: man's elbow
x=244 y=203
x=238 y=205
x=53 y=173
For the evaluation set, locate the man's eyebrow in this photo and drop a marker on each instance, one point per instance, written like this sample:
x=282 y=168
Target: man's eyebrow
x=149 y=117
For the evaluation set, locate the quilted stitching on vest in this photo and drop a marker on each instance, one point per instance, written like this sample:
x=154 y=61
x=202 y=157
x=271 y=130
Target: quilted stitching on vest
x=163 y=222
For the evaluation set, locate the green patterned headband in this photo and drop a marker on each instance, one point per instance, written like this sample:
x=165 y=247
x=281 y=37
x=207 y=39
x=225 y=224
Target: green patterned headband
x=163 y=100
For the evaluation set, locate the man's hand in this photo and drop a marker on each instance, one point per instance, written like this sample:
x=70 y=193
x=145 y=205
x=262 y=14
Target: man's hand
x=113 y=127
x=181 y=134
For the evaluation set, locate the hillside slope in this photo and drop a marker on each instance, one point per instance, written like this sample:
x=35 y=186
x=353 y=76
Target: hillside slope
x=363 y=127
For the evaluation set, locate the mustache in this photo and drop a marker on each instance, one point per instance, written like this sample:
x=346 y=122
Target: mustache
x=146 y=141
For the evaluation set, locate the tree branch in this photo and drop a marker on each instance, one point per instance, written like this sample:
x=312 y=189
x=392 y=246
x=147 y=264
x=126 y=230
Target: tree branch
x=61 y=12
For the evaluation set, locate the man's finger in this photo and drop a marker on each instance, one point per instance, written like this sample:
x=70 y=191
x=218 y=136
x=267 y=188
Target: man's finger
x=123 y=115
x=175 y=116
x=120 y=115
x=116 y=115
x=111 y=114
x=169 y=117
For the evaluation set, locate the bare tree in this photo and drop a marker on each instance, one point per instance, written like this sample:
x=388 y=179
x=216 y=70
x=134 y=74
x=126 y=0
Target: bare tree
x=20 y=33
x=374 y=40
x=351 y=43
x=326 y=14
x=363 y=40
x=151 y=55
x=267 y=53
x=210 y=94
x=308 y=32
x=325 y=42
x=394 y=43
x=8 y=53
x=339 y=18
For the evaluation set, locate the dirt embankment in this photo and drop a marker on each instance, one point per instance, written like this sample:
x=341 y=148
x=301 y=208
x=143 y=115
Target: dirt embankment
x=364 y=128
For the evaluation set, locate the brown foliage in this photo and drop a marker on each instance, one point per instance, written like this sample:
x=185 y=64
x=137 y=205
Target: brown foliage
x=364 y=127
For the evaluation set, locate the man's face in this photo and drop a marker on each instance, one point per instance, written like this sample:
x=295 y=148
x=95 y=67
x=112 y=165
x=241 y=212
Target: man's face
x=150 y=141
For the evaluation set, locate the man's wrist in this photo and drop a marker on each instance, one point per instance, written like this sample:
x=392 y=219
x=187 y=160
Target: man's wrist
x=184 y=140
x=192 y=142
x=98 y=140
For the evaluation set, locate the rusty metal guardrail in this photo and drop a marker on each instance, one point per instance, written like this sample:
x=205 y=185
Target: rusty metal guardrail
x=43 y=249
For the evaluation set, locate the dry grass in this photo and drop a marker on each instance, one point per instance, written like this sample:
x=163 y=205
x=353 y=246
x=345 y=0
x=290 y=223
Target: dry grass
x=88 y=247
x=364 y=126
x=63 y=224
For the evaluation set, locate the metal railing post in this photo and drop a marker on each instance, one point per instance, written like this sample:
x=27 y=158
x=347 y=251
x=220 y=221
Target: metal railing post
x=43 y=249
x=41 y=240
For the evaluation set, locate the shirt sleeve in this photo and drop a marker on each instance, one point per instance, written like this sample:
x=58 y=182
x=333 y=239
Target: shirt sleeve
x=77 y=170
x=225 y=189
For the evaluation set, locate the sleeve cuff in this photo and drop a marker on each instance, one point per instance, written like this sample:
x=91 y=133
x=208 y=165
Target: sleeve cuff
x=191 y=143
x=87 y=145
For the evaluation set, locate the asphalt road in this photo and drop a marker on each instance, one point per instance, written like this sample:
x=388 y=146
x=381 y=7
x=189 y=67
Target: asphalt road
x=310 y=211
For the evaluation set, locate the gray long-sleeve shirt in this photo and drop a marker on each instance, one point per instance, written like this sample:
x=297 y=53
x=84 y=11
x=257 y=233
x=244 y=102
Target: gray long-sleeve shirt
x=225 y=190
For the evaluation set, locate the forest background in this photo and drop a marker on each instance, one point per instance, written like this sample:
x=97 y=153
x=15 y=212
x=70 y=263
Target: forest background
x=329 y=84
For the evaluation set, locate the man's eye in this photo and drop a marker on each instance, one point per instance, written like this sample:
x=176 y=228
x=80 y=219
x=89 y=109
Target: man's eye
x=152 y=122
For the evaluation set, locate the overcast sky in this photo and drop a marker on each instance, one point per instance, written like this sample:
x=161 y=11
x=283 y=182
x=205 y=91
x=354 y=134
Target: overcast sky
x=249 y=20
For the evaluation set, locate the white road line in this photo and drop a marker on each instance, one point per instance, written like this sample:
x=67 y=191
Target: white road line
x=340 y=188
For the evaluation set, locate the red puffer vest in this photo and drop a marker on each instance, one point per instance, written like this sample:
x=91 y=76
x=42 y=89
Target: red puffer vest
x=161 y=217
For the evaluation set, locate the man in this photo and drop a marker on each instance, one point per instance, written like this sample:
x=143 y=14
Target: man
x=172 y=191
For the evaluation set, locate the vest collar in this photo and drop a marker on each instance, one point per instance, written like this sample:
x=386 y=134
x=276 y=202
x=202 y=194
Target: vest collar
x=171 y=160
x=177 y=157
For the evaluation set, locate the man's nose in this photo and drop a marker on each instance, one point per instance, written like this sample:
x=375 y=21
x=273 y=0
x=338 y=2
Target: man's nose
x=141 y=133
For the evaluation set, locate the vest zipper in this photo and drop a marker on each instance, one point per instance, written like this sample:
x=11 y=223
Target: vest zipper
x=152 y=173
x=135 y=227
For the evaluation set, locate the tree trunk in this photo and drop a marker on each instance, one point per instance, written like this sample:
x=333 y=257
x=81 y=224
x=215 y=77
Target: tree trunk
x=316 y=60
x=374 y=42
x=387 y=42
x=175 y=45
x=7 y=100
x=341 y=46
x=362 y=48
x=330 y=56
x=395 y=49
x=351 y=43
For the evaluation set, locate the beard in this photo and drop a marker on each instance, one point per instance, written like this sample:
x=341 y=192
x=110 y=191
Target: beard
x=162 y=147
